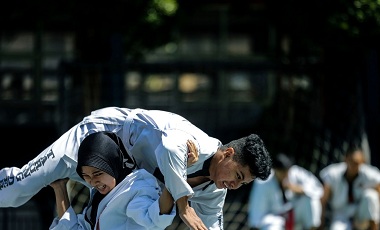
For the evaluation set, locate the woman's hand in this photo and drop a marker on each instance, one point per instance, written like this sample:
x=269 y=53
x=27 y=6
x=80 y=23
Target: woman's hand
x=192 y=154
x=60 y=183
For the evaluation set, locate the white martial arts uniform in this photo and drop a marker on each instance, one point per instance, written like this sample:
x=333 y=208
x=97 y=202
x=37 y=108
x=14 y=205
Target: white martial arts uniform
x=366 y=205
x=132 y=204
x=267 y=208
x=155 y=139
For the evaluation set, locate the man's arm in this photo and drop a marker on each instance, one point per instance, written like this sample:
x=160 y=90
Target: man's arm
x=377 y=188
x=172 y=158
x=172 y=163
x=187 y=213
x=208 y=203
x=166 y=200
x=304 y=182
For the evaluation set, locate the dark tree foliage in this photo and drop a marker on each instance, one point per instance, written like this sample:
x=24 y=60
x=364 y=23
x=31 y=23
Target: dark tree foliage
x=142 y=24
x=343 y=37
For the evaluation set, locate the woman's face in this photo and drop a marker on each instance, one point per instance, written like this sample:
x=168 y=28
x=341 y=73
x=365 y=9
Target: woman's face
x=98 y=179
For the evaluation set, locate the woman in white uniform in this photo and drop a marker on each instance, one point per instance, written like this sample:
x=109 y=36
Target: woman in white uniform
x=120 y=197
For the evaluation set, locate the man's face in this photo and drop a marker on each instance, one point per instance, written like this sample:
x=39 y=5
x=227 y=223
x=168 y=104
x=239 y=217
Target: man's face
x=353 y=162
x=231 y=175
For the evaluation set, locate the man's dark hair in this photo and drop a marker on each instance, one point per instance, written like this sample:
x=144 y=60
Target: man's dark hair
x=352 y=149
x=251 y=151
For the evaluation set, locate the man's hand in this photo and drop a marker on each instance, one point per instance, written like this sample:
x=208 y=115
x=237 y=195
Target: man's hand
x=192 y=153
x=188 y=215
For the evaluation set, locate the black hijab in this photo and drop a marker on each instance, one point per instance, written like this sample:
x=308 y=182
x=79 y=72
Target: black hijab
x=104 y=151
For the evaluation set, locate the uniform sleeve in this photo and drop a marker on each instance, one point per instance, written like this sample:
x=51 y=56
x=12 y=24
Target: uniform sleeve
x=372 y=174
x=327 y=174
x=208 y=204
x=171 y=157
x=70 y=220
x=311 y=185
x=144 y=207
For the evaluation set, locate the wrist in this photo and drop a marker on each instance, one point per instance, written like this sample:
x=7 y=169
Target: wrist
x=182 y=204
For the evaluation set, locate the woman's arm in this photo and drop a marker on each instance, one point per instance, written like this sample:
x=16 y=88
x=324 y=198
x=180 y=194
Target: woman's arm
x=61 y=196
x=166 y=202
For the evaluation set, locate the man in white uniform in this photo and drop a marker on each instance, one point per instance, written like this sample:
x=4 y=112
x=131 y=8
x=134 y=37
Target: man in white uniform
x=351 y=188
x=289 y=199
x=156 y=140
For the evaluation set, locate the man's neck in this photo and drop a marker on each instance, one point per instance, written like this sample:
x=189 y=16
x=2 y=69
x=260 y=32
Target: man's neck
x=202 y=175
x=195 y=181
x=350 y=177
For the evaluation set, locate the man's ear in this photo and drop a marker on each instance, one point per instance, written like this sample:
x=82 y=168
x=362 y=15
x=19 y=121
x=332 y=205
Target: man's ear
x=229 y=152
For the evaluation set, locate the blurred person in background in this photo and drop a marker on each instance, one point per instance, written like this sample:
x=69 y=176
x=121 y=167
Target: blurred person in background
x=351 y=192
x=289 y=199
x=156 y=141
